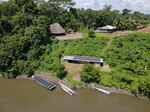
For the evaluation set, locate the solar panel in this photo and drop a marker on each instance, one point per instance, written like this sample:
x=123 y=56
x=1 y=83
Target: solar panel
x=49 y=86
x=86 y=59
x=43 y=82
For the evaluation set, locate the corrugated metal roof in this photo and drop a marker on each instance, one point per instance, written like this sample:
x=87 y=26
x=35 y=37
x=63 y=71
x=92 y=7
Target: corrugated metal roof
x=83 y=59
x=68 y=57
x=108 y=27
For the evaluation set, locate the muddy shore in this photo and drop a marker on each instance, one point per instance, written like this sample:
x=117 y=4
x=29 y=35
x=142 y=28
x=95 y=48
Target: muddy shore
x=55 y=80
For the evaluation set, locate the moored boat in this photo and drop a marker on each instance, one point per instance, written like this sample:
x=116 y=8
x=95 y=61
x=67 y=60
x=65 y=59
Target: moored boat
x=67 y=89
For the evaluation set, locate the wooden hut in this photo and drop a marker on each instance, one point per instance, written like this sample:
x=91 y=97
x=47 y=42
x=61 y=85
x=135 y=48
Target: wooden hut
x=57 y=29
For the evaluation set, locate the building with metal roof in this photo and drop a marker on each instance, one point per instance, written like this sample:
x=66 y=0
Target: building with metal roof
x=106 y=29
x=78 y=59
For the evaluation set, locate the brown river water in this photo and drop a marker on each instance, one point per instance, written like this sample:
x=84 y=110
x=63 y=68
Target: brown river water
x=22 y=95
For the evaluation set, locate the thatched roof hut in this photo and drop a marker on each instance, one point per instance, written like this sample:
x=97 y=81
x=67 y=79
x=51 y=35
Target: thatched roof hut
x=57 y=29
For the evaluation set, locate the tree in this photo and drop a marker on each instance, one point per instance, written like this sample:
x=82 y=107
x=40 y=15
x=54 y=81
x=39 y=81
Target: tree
x=36 y=35
x=8 y=9
x=27 y=6
x=105 y=16
x=126 y=11
x=123 y=23
x=5 y=26
x=90 y=74
x=10 y=51
x=20 y=21
x=43 y=22
x=54 y=8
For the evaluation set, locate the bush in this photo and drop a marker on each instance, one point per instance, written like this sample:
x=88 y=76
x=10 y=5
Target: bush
x=74 y=83
x=59 y=69
x=144 y=86
x=90 y=74
x=91 y=34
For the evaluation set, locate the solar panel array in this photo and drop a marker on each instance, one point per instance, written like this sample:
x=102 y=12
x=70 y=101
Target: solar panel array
x=87 y=59
x=43 y=82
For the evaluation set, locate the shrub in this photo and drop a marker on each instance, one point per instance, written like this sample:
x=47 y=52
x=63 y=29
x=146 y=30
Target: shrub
x=91 y=34
x=90 y=74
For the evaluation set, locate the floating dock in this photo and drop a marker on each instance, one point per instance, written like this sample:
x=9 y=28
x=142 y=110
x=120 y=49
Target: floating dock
x=67 y=89
x=43 y=83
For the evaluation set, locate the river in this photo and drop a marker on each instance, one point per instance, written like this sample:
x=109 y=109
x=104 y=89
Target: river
x=22 y=95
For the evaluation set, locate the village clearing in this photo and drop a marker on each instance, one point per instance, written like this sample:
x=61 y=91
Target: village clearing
x=75 y=69
x=71 y=36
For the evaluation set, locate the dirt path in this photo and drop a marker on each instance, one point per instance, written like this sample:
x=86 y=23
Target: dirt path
x=108 y=44
x=121 y=33
x=127 y=32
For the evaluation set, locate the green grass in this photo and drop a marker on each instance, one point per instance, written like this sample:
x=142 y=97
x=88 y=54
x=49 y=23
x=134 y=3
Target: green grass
x=86 y=47
x=97 y=35
x=128 y=56
x=101 y=35
x=74 y=83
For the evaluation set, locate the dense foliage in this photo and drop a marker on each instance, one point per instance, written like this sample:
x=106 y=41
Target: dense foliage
x=90 y=74
x=129 y=58
x=130 y=54
x=51 y=59
x=26 y=44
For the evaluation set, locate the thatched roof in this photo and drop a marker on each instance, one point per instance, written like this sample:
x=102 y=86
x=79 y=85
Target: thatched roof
x=57 y=29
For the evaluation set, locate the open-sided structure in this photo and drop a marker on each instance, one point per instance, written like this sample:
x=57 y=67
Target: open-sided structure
x=106 y=29
x=77 y=59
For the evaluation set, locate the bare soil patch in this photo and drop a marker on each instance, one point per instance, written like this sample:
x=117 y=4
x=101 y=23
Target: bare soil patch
x=146 y=29
x=73 y=69
x=76 y=35
x=106 y=68
x=127 y=32
x=120 y=33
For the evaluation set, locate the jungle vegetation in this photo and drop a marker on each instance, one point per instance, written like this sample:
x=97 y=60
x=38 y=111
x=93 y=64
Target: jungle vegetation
x=26 y=44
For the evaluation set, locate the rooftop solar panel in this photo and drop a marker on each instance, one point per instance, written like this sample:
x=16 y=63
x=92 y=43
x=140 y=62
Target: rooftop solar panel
x=89 y=59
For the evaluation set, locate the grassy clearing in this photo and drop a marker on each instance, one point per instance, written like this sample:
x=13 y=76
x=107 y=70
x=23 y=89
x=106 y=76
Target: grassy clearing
x=128 y=57
x=74 y=83
x=101 y=35
x=86 y=47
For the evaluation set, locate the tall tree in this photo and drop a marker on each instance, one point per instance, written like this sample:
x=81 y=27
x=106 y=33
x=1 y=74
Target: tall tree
x=54 y=8
x=27 y=6
x=8 y=8
x=126 y=11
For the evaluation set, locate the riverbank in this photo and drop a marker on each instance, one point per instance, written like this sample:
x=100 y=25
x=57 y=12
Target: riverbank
x=55 y=80
x=80 y=85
